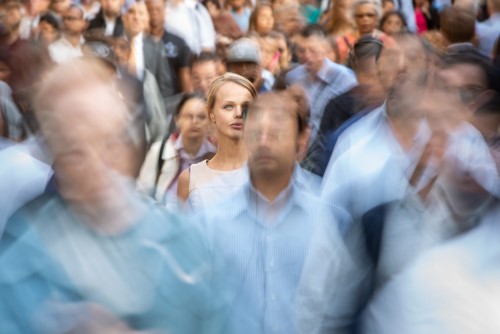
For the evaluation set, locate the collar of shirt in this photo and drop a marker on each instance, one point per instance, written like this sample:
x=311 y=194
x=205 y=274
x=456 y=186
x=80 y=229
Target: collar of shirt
x=205 y=148
x=287 y=199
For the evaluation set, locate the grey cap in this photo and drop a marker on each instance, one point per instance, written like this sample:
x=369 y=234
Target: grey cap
x=243 y=50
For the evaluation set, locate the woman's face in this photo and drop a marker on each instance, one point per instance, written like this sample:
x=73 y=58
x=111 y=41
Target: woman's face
x=366 y=18
x=265 y=21
x=227 y=113
x=393 y=25
x=193 y=120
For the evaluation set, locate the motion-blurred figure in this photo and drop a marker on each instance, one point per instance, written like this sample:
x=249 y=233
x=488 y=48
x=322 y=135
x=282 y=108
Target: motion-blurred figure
x=89 y=255
x=263 y=231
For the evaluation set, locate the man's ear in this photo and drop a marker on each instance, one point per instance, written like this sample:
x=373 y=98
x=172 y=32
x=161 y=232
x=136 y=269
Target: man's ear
x=302 y=143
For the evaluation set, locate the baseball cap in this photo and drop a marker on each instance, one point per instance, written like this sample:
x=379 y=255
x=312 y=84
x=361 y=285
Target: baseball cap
x=243 y=50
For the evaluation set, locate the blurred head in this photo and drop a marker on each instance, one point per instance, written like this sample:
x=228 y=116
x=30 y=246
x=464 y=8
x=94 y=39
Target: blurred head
x=121 y=48
x=261 y=20
x=227 y=103
x=387 y=6
x=274 y=130
x=393 y=23
x=471 y=77
x=408 y=60
x=204 y=70
x=156 y=11
x=10 y=14
x=111 y=8
x=366 y=14
x=136 y=20
x=37 y=7
x=458 y=24
x=236 y=4
x=363 y=61
x=60 y=6
x=74 y=21
x=313 y=48
x=48 y=29
x=191 y=118
x=243 y=58
x=87 y=128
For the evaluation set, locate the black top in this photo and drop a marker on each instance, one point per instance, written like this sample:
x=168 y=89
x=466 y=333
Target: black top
x=178 y=55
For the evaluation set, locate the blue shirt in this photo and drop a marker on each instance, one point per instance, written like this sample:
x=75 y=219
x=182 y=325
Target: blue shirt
x=330 y=81
x=262 y=258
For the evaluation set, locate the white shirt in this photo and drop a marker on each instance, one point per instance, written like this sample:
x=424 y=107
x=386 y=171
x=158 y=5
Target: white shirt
x=62 y=51
x=138 y=48
x=454 y=288
x=110 y=26
x=191 y=21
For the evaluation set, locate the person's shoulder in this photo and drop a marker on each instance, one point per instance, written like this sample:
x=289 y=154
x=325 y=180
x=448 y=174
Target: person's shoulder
x=174 y=38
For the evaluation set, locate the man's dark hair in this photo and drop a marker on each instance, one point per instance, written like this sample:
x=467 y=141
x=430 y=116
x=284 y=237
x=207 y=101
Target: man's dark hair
x=51 y=20
x=457 y=24
x=314 y=30
x=203 y=57
x=186 y=97
x=365 y=48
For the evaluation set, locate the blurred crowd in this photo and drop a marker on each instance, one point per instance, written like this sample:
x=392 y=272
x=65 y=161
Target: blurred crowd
x=242 y=166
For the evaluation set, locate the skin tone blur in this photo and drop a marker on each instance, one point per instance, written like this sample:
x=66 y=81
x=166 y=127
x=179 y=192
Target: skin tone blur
x=393 y=25
x=47 y=33
x=111 y=8
x=192 y=123
x=135 y=20
x=202 y=75
x=272 y=140
x=265 y=21
x=366 y=18
x=74 y=25
x=313 y=52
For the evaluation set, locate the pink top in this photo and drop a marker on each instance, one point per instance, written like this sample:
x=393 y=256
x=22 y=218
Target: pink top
x=420 y=20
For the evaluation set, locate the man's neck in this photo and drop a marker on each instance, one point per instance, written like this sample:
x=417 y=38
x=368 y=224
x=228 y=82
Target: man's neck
x=156 y=32
x=271 y=185
x=110 y=17
x=73 y=39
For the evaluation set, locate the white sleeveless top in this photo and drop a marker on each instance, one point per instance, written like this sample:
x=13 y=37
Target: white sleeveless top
x=208 y=186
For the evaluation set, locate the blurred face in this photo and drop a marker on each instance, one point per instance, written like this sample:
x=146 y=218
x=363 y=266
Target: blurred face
x=366 y=18
x=86 y=146
x=11 y=15
x=388 y=6
x=4 y=71
x=193 y=120
x=74 y=23
x=237 y=4
x=271 y=140
x=156 y=11
x=111 y=8
x=227 y=114
x=48 y=33
x=38 y=6
x=60 y=6
x=265 y=21
x=313 y=51
x=136 y=19
x=202 y=75
x=121 y=48
x=465 y=80
x=393 y=25
x=249 y=70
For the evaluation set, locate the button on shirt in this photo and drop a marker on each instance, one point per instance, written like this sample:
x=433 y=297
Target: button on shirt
x=262 y=247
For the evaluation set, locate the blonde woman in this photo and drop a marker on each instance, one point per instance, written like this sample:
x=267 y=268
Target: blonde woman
x=210 y=180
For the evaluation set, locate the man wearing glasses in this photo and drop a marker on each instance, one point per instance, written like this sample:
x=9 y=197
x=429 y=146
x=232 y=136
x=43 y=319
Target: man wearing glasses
x=69 y=46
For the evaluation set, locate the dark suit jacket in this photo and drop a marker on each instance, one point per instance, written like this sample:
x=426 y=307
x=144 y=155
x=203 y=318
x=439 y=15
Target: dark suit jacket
x=154 y=63
x=99 y=23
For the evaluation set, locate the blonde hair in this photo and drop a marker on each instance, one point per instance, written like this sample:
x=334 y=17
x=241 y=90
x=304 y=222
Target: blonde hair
x=227 y=77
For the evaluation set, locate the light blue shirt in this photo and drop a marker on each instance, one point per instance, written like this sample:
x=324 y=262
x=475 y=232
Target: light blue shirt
x=488 y=32
x=330 y=81
x=262 y=258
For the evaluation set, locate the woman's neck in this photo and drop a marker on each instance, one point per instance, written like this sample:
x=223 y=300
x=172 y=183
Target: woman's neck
x=231 y=154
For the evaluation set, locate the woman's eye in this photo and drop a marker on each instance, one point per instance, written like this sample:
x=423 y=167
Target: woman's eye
x=228 y=107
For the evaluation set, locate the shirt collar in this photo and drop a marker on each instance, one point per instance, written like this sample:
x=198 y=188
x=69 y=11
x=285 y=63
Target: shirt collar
x=205 y=148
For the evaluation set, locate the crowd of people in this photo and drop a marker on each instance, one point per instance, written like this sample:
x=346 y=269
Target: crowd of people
x=292 y=166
